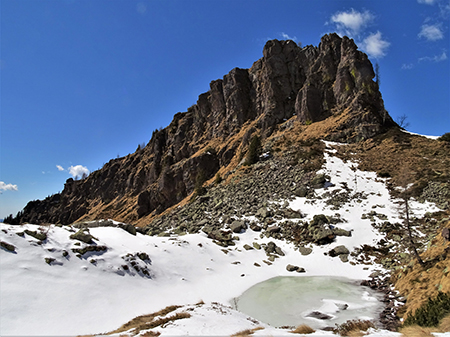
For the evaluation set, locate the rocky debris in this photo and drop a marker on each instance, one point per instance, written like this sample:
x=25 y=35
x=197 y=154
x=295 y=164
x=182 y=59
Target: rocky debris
x=393 y=301
x=438 y=193
x=41 y=236
x=292 y=268
x=132 y=263
x=9 y=247
x=221 y=237
x=83 y=235
x=248 y=247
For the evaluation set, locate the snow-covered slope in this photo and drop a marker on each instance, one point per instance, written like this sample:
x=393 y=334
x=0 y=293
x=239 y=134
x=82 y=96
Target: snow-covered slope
x=46 y=289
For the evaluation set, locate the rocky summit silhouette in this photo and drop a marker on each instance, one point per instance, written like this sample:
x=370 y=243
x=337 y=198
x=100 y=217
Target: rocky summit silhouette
x=331 y=85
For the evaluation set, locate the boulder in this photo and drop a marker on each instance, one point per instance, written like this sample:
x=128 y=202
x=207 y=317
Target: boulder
x=263 y=213
x=273 y=229
x=339 y=250
x=82 y=235
x=238 y=226
x=255 y=227
x=37 y=235
x=319 y=315
x=9 y=247
x=292 y=268
x=305 y=250
x=318 y=181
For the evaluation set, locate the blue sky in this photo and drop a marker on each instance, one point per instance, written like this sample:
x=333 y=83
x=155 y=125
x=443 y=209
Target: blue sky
x=83 y=82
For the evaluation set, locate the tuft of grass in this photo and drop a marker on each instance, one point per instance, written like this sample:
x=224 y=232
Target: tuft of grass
x=150 y=334
x=351 y=327
x=247 y=332
x=416 y=331
x=303 y=329
x=145 y=322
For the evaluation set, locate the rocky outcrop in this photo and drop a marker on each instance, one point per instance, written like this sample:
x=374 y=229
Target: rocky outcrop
x=308 y=84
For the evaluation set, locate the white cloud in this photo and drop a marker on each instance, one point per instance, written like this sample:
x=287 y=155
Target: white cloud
x=426 y=2
x=8 y=187
x=374 y=45
x=78 y=170
x=436 y=58
x=351 y=22
x=60 y=168
x=432 y=32
x=287 y=37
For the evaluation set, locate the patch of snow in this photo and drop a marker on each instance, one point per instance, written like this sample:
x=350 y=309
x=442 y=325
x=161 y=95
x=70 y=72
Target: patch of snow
x=417 y=134
x=102 y=294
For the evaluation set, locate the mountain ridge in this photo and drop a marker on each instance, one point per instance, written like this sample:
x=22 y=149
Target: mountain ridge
x=309 y=85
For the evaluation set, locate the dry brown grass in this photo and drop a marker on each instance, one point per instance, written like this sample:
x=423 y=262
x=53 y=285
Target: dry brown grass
x=387 y=154
x=303 y=329
x=418 y=284
x=417 y=331
x=247 y=332
x=353 y=328
x=445 y=324
x=151 y=321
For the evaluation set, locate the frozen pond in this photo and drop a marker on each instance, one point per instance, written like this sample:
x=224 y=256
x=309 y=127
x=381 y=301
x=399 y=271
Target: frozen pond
x=318 y=301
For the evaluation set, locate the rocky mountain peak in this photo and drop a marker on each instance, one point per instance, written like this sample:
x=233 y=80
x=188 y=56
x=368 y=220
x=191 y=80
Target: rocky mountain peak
x=332 y=82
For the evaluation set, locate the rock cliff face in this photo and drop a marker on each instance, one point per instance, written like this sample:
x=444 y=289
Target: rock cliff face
x=309 y=85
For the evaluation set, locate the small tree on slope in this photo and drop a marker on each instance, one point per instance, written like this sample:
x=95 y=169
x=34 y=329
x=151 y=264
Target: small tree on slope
x=405 y=179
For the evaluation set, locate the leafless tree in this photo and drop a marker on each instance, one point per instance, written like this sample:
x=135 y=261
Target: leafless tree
x=405 y=182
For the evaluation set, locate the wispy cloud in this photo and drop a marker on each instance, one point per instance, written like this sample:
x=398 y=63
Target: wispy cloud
x=407 y=66
x=78 y=170
x=427 y=2
x=431 y=32
x=60 y=168
x=436 y=58
x=351 y=22
x=288 y=37
x=7 y=187
x=374 y=45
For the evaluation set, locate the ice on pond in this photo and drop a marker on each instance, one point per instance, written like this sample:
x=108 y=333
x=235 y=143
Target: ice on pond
x=318 y=301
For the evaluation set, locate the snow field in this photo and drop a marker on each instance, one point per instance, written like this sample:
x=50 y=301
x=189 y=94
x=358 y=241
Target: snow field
x=94 y=294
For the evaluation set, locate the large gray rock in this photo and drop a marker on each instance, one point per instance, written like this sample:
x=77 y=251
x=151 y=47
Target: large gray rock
x=238 y=226
x=82 y=235
x=339 y=250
